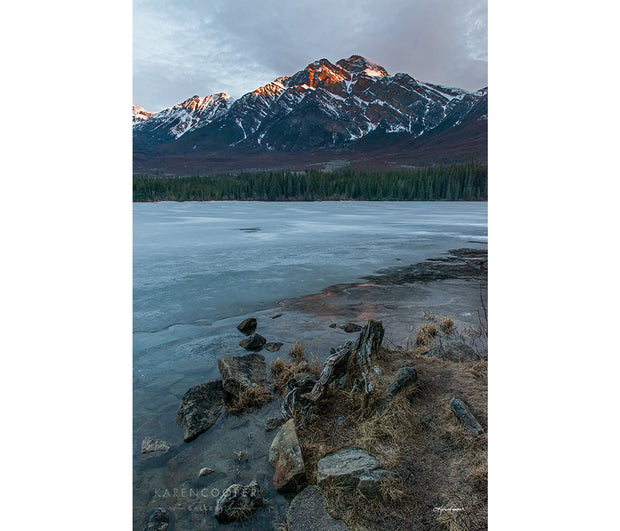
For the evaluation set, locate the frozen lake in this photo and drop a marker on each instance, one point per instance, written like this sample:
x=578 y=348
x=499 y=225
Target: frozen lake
x=201 y=262
x=200 y=268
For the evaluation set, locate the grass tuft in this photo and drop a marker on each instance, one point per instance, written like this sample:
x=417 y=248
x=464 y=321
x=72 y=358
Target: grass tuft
x=250 y=398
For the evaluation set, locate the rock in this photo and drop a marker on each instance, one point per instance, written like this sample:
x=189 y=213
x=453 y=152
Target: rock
x=159 y=520
x=307 y=512
x=254 y=342
x=405 y=377
x=453 y=351
x=154 y=445
x=247 y=326
x=350 y=327
x=238 y=502
x=275 y=316
x=464 y=415
x=273 y=423
x=242 y=372
x=273 y=347
x=427 y=419
x=200 y=407
x=285 y=455
x=205 y=471
x=333 y=325
x=353 y=468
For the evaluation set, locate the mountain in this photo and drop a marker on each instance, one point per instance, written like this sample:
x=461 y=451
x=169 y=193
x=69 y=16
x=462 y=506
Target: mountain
x=170 y=124
x=140 y=114
x=350 y=111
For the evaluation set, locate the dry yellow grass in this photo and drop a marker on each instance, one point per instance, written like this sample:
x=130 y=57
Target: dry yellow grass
x=426 y=335
x=446 y=325
x=249 y=398
x=436 y=464
x=283 y=370
x=297 y=352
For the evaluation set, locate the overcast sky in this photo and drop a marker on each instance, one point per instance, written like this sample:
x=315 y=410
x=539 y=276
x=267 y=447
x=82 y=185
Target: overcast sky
x=187 y=47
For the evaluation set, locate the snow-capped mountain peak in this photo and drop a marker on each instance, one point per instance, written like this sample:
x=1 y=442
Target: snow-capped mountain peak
x=174 y=122
x=322 y=106
x=140 y=114
x=357 y=64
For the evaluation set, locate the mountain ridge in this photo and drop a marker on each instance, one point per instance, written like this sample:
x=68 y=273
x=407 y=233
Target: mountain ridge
x=327 y=108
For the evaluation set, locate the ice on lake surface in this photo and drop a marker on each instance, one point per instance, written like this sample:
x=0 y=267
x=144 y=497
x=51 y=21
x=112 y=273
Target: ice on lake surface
x=197 y=262
x=201 y=267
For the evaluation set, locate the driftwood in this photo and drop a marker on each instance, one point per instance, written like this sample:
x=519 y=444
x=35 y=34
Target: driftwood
x=296 y=386
x=348 y=360
x=334 y=368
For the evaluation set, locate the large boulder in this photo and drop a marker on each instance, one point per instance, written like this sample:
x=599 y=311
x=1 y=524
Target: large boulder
x=353 y=468
x=247 y=326
x=240 y=373
x=453 y=351
x=159 y=520
x=285 y=456
x=238 y=502
x=154 y=445
x=307 y=512
x=465 y=416
x=200 y=407
x=254 y=342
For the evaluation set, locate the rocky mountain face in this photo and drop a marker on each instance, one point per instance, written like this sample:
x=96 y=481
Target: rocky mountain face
x=326 y=106
x=140 y=114
x=170 y=124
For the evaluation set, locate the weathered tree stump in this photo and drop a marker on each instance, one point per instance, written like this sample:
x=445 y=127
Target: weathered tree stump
x=353 y=360
x=367 y=348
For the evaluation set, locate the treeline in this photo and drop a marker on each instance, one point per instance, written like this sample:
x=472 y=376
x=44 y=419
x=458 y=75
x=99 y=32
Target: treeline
x=462 y=182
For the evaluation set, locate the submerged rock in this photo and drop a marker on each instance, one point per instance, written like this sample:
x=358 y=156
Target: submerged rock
x=242 y=372
x=254 y=342
x=285 y=456
x=307 y=512
x=464 y=415
x=350 y=327
x=154 y=445
x=238 y=502
x=159 y=520
x=247 y=326
x=273 y=347
x=453 y=351
x=200 y=407
x=353 y=468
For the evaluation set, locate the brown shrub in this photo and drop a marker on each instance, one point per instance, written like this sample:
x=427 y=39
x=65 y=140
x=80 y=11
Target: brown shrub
x=297 y=352
x=426 y=335
x=446 y=325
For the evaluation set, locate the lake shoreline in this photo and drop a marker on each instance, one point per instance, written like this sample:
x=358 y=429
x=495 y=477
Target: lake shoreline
x=385 y=295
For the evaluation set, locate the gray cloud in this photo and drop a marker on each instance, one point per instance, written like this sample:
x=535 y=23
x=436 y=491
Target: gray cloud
x=186 y=47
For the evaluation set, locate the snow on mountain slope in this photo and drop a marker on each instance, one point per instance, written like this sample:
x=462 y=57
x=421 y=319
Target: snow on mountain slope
x=324 y=105
x=172 y=123
x=140 y=114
